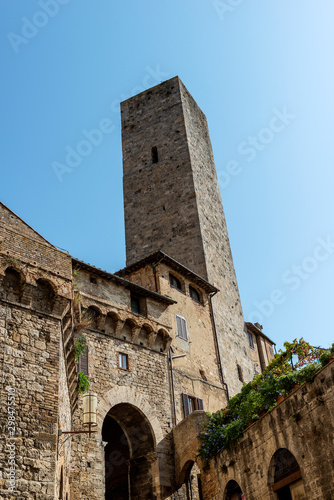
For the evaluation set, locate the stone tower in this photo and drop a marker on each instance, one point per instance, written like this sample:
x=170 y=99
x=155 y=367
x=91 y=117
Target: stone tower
x=173 y=203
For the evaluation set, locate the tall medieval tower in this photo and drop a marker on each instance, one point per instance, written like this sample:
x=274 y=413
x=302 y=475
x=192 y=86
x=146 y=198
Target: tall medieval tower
x=173 y=203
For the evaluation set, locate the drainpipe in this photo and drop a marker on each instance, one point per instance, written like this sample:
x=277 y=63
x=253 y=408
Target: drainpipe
x=172 y=384
x=217 y=344
x=154 y=268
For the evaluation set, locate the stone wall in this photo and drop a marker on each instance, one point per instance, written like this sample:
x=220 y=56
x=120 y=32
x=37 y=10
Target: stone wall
x=35 y=287
x=304 y=425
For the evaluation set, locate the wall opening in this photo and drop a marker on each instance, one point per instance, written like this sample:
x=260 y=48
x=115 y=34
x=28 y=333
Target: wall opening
x=130 y=459
x=191 y=487
x=12 y=284
x=285 y=477
x=233 y=491
x=155 y=158
x=44 y=296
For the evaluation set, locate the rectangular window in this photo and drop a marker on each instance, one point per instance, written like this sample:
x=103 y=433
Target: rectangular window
x=251 y=340
x=135 y=304
x=83 y=362
x=271 y=350
x=138 y=304
x=190 y=404
x=181 y=327
x=123 y=361
x=155 y=158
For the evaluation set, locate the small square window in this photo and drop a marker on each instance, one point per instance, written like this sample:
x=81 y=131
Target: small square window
x=93 y=280
x=138 y=304
x=123 y=361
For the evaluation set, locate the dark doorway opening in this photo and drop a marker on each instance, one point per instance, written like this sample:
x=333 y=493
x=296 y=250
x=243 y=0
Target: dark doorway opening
x=131 y=463
x=117 y=455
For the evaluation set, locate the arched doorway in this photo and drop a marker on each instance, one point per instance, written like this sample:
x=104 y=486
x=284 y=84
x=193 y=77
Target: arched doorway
x=130 y=458
x=233 y=491
x=285 y=476
x=191 y=487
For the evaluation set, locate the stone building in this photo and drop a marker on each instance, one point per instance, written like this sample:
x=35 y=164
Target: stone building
x=166 y=338
x=261 y=347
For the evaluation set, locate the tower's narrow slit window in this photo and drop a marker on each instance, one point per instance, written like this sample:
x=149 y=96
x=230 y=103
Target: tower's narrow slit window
x=155 y=158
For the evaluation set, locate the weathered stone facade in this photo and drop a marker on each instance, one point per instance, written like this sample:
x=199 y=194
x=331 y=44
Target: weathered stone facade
x=172 y=203
x=301 y=425
x=165 y=337
x=35 y=290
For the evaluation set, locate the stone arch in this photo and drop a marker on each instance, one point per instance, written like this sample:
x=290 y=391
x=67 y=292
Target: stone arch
x=190 y=483
x=93 y=315
x=130 y=434
x=233 y=491
x=284 y=474
x=164 y=338
x=12 y=284
x=132 y=396
x=44 y=296
x=130 y=330
x=111 y=321
x=144 y=334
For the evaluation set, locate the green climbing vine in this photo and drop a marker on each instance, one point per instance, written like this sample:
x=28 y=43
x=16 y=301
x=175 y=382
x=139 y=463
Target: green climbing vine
x=226 y=426
x=80 y=341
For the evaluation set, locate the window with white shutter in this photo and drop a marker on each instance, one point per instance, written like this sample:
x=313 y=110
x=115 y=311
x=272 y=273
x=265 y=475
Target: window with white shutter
x=181 y=327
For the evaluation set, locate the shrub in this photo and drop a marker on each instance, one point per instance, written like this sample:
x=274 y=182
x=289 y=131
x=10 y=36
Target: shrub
x=325 y=357
x=226 y=426
x=83 y=383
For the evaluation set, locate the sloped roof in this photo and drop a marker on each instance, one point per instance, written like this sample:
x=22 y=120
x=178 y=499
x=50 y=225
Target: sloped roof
x=139 y=290
x=160 y=256
x=10 y=220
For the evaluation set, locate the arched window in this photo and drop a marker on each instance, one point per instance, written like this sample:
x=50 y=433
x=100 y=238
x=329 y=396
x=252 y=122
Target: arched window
x=12 y=285
x=93 y=315
x=194 y=294
x=175 y=282
x=44 y=296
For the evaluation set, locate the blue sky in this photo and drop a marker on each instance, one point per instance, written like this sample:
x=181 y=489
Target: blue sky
x=261 y=72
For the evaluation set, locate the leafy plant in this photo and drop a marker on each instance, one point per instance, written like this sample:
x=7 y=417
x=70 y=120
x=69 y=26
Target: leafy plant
x=225 y=427
x=286 y=382
x=83 y=383
x=308 y=373
x=80 y=344
x=325 y=357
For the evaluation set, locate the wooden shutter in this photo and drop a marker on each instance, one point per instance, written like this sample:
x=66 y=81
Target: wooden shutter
x=83 y=362
x=181 y=325
x=200 y=405
x=185 y=401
